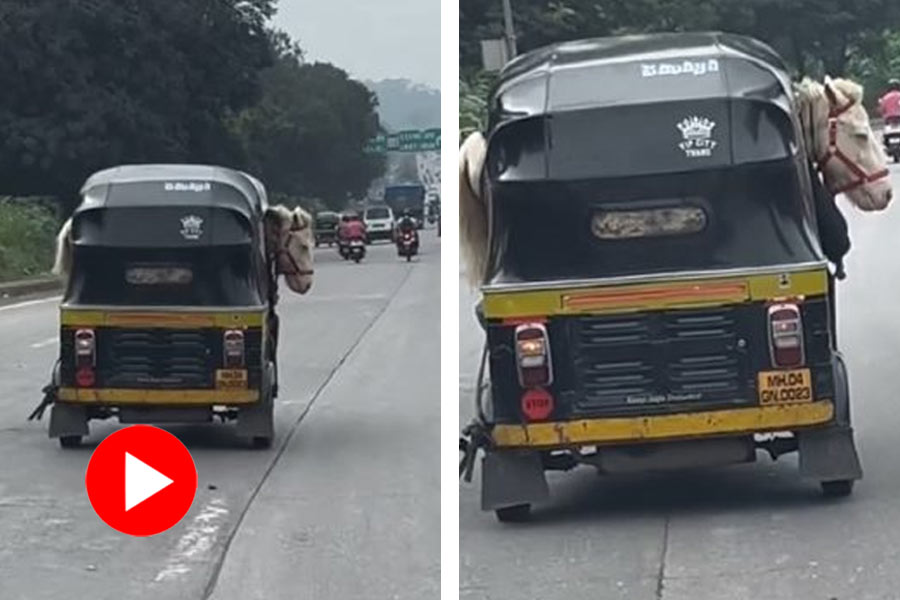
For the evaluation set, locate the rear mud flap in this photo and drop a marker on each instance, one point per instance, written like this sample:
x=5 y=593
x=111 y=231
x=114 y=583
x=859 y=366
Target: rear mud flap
x=510 y=478
x=67 y=419
x=829 y=454
x=258 y=420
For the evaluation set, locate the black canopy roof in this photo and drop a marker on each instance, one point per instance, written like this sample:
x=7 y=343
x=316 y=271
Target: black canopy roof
x=643 y=104
x=639 y=69
x=101 y=187
x=168 y=206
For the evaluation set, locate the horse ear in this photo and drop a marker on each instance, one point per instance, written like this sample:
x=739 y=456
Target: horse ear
x=302 y=219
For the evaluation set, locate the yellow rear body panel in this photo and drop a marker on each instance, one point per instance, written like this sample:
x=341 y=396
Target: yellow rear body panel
x=782 y=417
x=118 y=397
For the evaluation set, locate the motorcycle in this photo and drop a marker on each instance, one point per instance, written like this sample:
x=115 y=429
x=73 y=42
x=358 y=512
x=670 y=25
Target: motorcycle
x=352 y=250
x=357 y=250
x=407 y=244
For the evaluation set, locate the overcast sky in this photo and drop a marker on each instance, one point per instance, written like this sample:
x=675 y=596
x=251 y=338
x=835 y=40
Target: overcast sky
x=371 y=39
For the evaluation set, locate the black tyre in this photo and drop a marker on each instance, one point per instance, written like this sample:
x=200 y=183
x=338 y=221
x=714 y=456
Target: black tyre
x=513 y=514
x=70 y=441
x=837 y=489
x=261 y=442
x=408 y=257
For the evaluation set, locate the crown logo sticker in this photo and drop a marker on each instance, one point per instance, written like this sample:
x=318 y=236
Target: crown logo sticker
x=191 y=227
x=697 y=134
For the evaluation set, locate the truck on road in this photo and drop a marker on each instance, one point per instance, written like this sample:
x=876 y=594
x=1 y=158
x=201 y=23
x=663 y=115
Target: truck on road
x=407 y=197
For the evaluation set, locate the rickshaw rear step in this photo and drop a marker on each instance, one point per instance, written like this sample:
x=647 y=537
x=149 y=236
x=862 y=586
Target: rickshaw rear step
x=673 y=455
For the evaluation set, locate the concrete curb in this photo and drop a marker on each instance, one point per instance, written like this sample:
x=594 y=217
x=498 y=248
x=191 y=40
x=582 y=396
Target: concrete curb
x=27 y=287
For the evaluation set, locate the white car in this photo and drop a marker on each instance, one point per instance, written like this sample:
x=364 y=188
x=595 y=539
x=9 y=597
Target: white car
x=379 y=222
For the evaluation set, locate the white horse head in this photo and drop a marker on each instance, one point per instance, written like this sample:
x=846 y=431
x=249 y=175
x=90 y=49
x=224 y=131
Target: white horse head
x=840 y=139
x=473 y=206
x=289 y=239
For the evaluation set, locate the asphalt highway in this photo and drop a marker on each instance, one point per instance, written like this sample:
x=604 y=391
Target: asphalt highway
x=344 y=506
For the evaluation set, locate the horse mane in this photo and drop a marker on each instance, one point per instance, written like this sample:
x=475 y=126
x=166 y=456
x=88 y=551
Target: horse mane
x=813 y=90
x=473 y=207
x=62 y=262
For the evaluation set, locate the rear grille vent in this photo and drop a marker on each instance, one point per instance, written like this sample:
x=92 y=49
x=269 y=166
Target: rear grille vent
x=158 y=358
x=664 y=358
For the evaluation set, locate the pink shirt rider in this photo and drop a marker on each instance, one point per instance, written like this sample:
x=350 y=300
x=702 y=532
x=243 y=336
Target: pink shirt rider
x=890 y=105
x=353 y=230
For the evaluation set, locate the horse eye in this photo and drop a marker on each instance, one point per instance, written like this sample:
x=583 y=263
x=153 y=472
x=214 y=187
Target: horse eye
x=862 y=134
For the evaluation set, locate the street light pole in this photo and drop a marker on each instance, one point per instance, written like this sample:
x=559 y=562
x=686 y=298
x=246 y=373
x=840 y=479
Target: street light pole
x=510 y=32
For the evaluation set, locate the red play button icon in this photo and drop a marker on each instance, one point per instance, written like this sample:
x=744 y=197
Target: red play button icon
x=141 y=480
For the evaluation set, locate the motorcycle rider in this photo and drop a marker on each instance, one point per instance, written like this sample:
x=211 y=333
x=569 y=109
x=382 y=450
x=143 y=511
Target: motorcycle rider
x=407 y=224
x=351 y=228
x=889 y=104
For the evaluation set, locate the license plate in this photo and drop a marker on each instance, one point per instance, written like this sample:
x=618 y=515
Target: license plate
x=785 y=387
x=231 y=379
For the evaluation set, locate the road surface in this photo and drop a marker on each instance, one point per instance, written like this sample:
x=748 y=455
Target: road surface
x=750 y=531
x=344 y=506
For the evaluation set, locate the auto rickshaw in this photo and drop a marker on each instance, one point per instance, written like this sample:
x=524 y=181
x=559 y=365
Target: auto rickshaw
x=655 y=294
x=326 y=226
x=168 y=315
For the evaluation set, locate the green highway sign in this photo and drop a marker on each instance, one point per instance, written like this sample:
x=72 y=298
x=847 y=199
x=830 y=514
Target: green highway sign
x=425 y=140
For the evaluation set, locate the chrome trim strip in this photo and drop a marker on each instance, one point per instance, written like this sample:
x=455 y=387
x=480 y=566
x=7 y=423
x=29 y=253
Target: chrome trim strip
x=153 y=309
x=651 y=278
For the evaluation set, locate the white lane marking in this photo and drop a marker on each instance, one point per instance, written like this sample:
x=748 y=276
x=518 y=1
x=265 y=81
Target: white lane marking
x=196 y=542
x=30 y=303
x=46 y=342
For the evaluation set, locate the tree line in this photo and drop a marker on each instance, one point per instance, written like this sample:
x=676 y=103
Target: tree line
x=89 y=84
x=857 y=38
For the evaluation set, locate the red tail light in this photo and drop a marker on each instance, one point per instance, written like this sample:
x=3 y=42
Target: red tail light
x=85 y=357
x=537 y=404
x=84 y=377
x=786 y=335
x=533 y=355
x=234 y=349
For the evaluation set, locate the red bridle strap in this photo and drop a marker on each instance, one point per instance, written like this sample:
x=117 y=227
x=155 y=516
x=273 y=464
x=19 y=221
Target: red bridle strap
x=283 y=252
x=833 y=151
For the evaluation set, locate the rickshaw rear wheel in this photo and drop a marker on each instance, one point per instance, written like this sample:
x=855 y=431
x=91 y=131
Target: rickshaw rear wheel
x=513 y=514
x=70 y=441
x=261 y=442
x=837 y=489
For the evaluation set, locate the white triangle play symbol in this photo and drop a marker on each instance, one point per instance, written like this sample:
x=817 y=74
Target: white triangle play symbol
x=141 y=481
